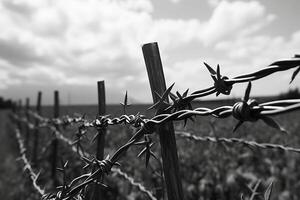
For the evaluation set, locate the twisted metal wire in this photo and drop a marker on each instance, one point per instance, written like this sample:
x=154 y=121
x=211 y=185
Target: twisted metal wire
x=147 y=125
x=247 y=110
x=264 y=109
x=231 y=141
x=82 y=153
x=223 y=84
x=133 y=182
x=243 y=111
x=27 y=166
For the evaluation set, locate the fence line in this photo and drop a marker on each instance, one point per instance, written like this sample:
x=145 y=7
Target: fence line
x=82 y=153
x=256 y=112
x=190 y=136
x=179 y=109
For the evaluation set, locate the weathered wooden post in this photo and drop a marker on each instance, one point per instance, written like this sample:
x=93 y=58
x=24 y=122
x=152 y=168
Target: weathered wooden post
x=27 y=133
x=165 y=131
x=98 y=193
x=36 y=131
x=55 y=141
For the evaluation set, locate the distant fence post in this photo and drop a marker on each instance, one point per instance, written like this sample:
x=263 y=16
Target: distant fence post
x=27 y=136
x=36 y=131
x=98 y=192
x=165 y=131
x=55 y=141
x=19 y=112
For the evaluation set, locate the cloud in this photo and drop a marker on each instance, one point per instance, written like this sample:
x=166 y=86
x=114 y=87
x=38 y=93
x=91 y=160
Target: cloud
x=74 y=42
x=231 y=19
x=261 y=48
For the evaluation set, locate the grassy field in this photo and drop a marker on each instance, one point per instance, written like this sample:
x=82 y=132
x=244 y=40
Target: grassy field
x=208 y=171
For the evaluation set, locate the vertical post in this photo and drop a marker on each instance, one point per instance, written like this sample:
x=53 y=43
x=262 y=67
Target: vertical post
x=165 y=131
x=55 y=141
x=19 y=113
x=36 y=131
x=27 y=127
x=20 y=106
x=97 y=194
x=101 y=111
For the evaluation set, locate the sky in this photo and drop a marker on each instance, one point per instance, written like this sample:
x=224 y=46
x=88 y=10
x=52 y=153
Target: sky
x=69 y=45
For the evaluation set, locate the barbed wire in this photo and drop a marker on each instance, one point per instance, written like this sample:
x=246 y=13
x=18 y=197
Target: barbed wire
x=246 y=110
x=133 y=182
x=33 y=176
x=82 y=153
x=255 y=111
x=239 y=141
x=222 y=85
x=181 y=109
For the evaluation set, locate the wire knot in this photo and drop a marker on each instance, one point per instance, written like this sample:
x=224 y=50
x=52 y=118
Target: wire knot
x=105 y=165
x=222 y=86
x=102 y=122
x=244 y=111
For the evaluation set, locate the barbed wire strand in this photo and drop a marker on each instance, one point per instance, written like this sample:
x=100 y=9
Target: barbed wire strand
x=230 y=141
x=83 y=153
x=133 y=182
x=27 y=166
x=265 y=109
x=247 y=110
x=255 y=112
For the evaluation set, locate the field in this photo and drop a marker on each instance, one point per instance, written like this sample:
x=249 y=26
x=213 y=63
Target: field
x=208 y=170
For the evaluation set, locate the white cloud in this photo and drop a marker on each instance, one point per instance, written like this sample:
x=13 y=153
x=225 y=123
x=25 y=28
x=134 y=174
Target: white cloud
x=78 y=42
x=234 y=19
x=261 y=49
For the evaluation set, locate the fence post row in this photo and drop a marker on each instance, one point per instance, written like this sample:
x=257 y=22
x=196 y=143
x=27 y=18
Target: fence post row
x=36 y=131
x=27 y=132
x=55 y=141
x=165 y=131
x=19 y=112
x=97 y=191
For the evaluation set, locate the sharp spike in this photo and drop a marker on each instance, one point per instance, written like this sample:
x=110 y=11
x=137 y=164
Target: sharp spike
x=210 y=69
x=247 y=93
x=185 y=93
x=237 y=125
x=218 y=72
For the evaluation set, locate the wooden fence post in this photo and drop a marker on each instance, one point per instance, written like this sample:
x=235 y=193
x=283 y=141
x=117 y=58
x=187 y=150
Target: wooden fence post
x=55 y=141
x=36 y=131
x=165 y=131
x=19 y=112
x=98 y=192
x=27 y=136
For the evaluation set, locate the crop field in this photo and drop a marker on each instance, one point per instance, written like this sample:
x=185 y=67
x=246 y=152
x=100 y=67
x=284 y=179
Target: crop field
x=208 y=170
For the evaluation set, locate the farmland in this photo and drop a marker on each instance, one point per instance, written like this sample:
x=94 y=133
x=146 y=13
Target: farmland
x=208 y=170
